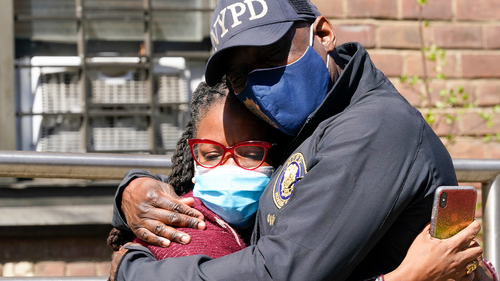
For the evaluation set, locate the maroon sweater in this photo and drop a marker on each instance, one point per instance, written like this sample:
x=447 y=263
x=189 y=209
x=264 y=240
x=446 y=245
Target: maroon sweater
x=217 y=240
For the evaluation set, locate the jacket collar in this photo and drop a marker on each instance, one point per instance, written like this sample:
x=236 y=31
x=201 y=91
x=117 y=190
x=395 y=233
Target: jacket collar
x=358 y=76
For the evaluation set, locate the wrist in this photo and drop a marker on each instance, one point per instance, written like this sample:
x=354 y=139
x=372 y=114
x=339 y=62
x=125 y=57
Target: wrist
x=491 y=269
x=401 y=273
x=376 y=278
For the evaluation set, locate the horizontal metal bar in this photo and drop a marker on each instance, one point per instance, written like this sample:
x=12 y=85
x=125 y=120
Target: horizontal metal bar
x=95 y=113
x=29 y=17
x=115 y=64
x=153 y=9
x=476 y=170
x=125 y=113
x=113 y=166
x=80 y=165
x=30 y=164
x=117 y=60
x=21 y=114
x=201 y=55
x=27 y=65
x=25 y=17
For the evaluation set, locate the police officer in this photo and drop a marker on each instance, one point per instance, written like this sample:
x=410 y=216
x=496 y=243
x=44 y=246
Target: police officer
x=355 y=184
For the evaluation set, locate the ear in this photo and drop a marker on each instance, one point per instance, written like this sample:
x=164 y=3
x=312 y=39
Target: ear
x=323 y=30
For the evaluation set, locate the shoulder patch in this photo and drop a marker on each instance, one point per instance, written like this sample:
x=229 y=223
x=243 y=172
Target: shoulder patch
x=293 y=171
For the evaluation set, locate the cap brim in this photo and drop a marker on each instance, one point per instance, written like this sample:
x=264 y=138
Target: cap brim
x=258 y=36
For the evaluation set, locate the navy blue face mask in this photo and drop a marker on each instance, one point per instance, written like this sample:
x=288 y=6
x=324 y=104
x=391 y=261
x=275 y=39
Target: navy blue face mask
x=285 y=96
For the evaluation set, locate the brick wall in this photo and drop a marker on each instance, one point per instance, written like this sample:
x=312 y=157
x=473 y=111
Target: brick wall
x=29 y=253
x=468 y=30
x=55 y=268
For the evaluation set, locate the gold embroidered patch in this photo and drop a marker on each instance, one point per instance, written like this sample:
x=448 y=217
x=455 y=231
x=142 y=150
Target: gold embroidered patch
x=271 y=219
x=293 y=171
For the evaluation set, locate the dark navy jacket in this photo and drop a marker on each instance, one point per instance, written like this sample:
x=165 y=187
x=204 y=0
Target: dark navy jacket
x=353 y=191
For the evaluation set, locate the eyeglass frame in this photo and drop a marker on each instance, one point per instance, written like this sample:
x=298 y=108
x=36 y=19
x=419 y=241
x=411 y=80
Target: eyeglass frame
x=265 y=144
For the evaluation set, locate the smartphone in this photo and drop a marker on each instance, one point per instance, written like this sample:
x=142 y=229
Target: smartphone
x=453 y=210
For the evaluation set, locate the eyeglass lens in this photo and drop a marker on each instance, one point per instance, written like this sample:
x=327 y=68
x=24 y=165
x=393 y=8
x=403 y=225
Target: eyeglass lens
x=247 y=156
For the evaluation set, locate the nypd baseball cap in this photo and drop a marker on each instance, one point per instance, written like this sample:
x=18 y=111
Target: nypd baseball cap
x=251 y=23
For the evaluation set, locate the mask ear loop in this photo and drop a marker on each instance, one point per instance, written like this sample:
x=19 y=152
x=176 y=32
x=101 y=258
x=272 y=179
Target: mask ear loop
x=311 y=36
x=193 y=180
x=311 y=41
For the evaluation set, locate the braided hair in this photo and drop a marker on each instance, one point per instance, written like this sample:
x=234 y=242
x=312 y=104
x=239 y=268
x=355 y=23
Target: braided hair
x=204 y=97
x=182 y=161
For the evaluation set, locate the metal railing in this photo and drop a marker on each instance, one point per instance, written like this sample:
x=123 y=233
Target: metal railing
x=487 y=172
x=98 y=166
x=28 y=164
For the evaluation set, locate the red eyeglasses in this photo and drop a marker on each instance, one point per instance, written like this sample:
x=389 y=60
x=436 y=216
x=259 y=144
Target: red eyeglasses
x=248 y=155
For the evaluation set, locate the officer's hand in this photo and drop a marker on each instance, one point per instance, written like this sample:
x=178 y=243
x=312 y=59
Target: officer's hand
x=150 y=205
x=440 y=260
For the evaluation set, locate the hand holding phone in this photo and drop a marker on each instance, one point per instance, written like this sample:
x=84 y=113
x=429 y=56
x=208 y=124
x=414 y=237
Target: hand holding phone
x=453 y=210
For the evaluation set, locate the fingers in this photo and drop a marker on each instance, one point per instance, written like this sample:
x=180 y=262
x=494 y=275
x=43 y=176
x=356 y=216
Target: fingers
x=188 y=201
x=473 y=252
x=160 y=230
x=482 y=272
x=464 y=237
x=151 y=207
x=426 y=231
x=468 y=277
x=150 y=226
x=155 y=232
x=147 y=236
x=467 y=257
x=172 y=218
x=178 y=213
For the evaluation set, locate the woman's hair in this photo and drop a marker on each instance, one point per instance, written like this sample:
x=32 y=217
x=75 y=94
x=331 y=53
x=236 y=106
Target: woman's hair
x=203 y=98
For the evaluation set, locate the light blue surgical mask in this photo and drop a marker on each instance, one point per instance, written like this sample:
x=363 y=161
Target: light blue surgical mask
x=232 y=192
x=285 y=96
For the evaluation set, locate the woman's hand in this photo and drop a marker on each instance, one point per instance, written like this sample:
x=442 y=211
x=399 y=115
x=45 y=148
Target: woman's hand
x=116 y=257
x=150 y=205
x=432 y=259
x=482 y=273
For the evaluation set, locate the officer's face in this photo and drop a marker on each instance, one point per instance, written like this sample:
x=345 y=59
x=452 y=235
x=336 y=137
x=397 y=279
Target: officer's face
x=243 y=60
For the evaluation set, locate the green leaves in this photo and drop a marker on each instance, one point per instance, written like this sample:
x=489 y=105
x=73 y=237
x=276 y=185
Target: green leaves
x=421 y=2
x=489 y=137
x=451 y=103
x=430 y=117
x=487 y=118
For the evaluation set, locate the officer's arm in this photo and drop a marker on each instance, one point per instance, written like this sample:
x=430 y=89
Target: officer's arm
x=352 y=193
x=251 y=263
x=139 y=264
x=337 y=213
